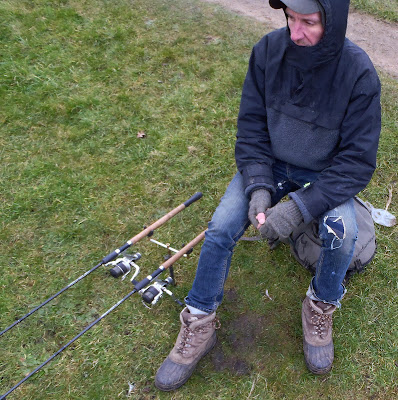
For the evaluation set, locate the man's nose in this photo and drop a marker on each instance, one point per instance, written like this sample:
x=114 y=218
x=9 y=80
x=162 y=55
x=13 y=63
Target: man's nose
x=296 y=32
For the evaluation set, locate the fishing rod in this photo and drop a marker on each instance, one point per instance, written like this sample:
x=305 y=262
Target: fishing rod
x=139 y=286
x=111 y=256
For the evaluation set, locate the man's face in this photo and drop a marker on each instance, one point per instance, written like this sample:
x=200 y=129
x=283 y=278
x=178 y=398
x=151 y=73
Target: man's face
x=305 y=29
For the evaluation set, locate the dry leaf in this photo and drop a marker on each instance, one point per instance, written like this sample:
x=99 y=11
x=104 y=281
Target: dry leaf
x=141 y=135
x=212 y=39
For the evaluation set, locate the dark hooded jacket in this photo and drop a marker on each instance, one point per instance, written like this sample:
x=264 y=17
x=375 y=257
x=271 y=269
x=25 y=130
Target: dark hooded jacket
x=314 y=107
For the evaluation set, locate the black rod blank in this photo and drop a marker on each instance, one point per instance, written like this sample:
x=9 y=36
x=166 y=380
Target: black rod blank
x=50 y=298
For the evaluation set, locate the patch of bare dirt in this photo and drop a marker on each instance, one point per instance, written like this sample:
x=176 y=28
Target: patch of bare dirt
x=237 y=343
x=378 y=38
x=240 y=338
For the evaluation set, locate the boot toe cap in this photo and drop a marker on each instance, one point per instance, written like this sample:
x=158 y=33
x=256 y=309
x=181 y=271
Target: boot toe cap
x=171 y=375
x=319 y=359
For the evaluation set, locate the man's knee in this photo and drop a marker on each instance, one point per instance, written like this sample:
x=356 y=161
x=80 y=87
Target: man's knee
x=338 y=227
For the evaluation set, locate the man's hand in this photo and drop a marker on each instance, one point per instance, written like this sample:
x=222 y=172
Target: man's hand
x=259 y=203
x=281 y=220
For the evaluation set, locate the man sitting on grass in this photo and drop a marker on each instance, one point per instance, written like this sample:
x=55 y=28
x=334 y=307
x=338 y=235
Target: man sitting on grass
x=308 y=128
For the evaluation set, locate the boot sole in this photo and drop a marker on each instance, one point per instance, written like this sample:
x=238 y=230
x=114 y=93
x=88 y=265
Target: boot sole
x=177 y=385
x=318 y=371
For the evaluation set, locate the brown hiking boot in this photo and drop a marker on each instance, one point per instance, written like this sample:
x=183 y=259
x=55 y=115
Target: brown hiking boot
x=196 y=338
x=316 y=317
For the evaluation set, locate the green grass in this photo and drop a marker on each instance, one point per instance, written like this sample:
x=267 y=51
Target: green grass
x=386 y=10
x=78 y=81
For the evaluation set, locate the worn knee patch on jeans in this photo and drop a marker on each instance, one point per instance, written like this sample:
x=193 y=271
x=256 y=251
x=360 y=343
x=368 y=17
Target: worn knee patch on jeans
x=335 y=226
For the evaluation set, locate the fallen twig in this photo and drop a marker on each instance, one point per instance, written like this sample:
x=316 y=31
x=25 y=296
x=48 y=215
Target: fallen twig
x=267 y=294
x=389 y=197
x=251 y=390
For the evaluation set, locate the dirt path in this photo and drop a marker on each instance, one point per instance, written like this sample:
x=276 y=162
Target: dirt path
x=379 y=39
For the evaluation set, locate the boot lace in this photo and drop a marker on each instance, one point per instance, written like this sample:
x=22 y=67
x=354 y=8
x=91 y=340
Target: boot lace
x=321 y=323
x=188 y=334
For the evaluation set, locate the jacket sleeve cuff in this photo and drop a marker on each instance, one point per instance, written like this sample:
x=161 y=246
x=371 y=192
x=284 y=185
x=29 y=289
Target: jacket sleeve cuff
x=251 y=188
x=257 y=176
x=303 y=209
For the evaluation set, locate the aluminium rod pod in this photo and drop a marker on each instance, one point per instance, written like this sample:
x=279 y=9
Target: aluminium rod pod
x=169 y=262
x=137 y=287
x=111 y=256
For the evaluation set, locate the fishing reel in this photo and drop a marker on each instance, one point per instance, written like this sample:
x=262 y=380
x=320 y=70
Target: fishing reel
x=152 y=294
x=122 y=266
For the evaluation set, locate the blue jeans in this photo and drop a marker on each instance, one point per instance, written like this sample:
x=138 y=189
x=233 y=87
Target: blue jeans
x=230 y=220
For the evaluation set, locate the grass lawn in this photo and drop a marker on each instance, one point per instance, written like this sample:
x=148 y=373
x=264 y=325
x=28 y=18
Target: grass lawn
x=387 y=9
x=80 y=81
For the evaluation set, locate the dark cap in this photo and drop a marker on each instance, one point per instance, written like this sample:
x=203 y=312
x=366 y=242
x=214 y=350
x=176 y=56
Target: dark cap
x=299 y=6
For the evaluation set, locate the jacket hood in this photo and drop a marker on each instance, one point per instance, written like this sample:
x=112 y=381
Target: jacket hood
x=329 y=47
